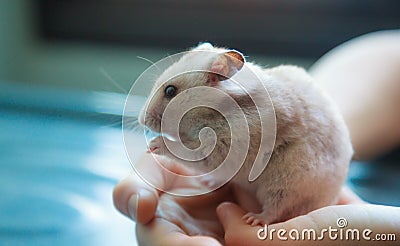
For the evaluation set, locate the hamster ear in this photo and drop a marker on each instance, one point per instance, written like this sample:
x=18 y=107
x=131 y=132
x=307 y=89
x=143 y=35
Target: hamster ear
x=204 y=46
x=225 y=66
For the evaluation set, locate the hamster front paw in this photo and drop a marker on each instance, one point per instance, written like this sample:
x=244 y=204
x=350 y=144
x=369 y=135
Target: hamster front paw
x=253 y=219
x=157 y=146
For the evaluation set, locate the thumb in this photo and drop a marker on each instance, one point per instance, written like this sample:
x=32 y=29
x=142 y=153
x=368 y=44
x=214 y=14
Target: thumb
x=376 y=220
x=237 y=232
x=337 y=225
x=230 y=216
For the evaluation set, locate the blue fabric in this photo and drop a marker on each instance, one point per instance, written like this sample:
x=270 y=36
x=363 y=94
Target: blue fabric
x=57 y=172
x=377 y=181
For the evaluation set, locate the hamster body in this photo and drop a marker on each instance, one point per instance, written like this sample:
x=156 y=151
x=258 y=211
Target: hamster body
x=312 y=150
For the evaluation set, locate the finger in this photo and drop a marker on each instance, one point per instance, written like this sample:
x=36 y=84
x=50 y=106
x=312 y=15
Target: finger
x=162 y=173
x=160 y=232
x=377 y=219
x=230 y=216
x=237 y=232
x=206 y=203
x=135 y=199
x=347 y=196
x=380 y=220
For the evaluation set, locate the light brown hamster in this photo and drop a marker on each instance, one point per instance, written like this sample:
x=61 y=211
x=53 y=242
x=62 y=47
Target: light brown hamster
x=312 y=150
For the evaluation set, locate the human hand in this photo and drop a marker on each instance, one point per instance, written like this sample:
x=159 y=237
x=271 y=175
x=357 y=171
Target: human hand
x=358 y=214
x=163 y=219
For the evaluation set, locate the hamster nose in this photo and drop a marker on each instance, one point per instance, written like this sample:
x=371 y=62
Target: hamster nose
x=141 y=118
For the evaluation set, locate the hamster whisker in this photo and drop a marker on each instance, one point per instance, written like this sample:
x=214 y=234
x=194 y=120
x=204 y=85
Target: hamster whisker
x=150 y=61
x=110 y=79
x=133 y=125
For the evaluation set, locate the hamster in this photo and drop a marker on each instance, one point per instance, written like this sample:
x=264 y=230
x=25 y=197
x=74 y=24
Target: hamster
x=312 y=150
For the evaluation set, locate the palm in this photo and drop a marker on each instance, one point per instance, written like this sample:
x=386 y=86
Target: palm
x=191 y=216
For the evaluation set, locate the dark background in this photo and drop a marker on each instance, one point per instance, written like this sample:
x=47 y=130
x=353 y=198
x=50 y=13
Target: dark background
x=306 y=28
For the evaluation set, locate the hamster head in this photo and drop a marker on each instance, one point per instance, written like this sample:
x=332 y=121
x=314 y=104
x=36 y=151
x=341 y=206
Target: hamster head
x=204 y=65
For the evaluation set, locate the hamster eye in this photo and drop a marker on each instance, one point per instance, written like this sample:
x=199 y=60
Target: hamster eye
x=170 y=91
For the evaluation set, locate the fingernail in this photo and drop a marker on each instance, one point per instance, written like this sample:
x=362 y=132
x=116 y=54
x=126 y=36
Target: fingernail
x=223 y=207
x=133 y=206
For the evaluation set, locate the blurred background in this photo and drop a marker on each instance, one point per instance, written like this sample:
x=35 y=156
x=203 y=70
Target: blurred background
x=67 y=65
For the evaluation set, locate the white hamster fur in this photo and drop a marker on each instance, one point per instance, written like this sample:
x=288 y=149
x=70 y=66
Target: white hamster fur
x=312 y=151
